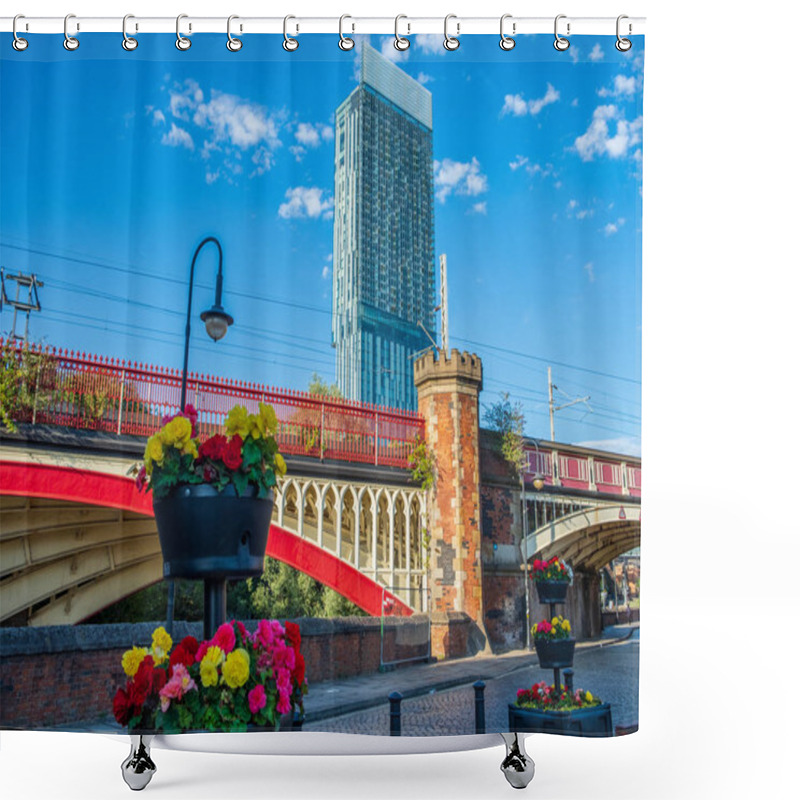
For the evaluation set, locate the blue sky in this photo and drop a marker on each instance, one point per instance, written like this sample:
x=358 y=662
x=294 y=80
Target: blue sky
x=115 y=165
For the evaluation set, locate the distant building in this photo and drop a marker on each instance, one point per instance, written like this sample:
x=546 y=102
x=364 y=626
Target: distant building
x=383 y=257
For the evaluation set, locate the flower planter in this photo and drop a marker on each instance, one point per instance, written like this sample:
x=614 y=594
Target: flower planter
x=552 y=591
x=592 y=721
x=555 y=654
x=209 y=534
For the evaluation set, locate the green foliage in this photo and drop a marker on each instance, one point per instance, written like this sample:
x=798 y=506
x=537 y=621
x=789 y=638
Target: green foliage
x=26 y=380
x=150 y=604
x=508 y=420
x=421 y=462
x=318 y=387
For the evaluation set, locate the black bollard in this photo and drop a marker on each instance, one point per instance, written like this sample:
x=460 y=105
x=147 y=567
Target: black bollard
x=394 y=713
x=569 y=674
x=480 y=707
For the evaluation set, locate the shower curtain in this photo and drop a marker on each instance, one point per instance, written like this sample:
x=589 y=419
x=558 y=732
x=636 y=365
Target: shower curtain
x=419 y=273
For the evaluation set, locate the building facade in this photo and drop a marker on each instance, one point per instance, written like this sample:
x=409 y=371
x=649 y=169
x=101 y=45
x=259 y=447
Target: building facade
x=383 y=254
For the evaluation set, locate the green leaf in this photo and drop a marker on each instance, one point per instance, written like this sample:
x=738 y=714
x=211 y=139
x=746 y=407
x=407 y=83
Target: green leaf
x=240 y=482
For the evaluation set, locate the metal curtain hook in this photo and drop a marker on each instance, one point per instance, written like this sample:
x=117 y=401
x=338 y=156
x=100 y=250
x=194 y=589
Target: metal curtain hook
x=18 y=44
x=233 y=44
x=623 y=45
x=345 y=42
x=128 y=43
x=400 y=42
x=181 y=42
x=289 y=44
x=70 y=42
x=451 y=42
x=507 y=42
x=561 y=43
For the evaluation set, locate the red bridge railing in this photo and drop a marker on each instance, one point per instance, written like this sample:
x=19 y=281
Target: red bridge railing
x=76 y=390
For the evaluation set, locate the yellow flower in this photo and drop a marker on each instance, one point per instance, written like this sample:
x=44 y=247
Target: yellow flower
x=238 y=422
x=236 y=669
x=214 y=655
x=554 y=621
x=566 y=626
x=177 y=431
x=191 y=448
x=132 y=659
x=589 y=697
x=269 y=417
x=153 y=452
x=162 y=644
x=280 y=464
x=208 y=673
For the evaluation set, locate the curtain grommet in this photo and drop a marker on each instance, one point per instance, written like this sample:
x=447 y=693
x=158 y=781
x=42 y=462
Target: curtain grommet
x=345 y=42
x=181 y=42
x=128 y=42
x=233 y=44
x=290 y=44
x=507 y=42
x=70 y=42
x=561 y=44
x=19 y=44
x=622 y=44
x=451 y=43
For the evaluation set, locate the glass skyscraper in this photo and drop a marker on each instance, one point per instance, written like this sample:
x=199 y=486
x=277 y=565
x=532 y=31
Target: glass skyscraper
x=383 y=259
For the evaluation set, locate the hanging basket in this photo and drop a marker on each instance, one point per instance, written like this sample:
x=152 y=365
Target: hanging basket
x=209 y=534
x=555 y=654
x=552 y=591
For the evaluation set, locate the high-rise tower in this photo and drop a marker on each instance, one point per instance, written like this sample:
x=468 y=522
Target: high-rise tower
x=383 y=260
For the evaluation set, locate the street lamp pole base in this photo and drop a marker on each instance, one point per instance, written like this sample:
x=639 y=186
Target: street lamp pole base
x=518 y=766
x=215 y=592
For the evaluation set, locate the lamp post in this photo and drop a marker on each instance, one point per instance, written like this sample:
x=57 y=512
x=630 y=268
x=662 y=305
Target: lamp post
x=538 y=484
x=216 y=318
x=217 y=321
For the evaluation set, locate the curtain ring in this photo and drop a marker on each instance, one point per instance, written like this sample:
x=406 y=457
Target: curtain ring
x=70 y=42
x=623 y=45
x=18 y=44
x=451 y=42
x=561 y=43
x=181 y=42
x=233 y=44
x=289 y=44
x=400 y=42
x=128 y=43
x=507 y=42
x=345 y=42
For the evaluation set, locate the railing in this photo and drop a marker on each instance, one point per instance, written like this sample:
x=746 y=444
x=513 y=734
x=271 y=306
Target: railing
x=90 y=392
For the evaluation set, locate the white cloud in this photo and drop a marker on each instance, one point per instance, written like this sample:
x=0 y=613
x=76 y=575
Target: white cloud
x=589 y=271
x=298 y=151
x=326 y=271
x=598 y=141
x=518 y=106
x=429 y=43
x=519 y=161
x=463 y=178
x=624 y=86
x=178 y=137
x=307 y=135
x=326 y=132
x=424 y=78
x=596 y=54
x=158 y=117
x=612 y=227
x=479 y=208
x=306 y=202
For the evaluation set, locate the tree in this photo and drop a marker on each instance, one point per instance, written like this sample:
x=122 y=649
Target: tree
x=508 y=420
x=317 y=386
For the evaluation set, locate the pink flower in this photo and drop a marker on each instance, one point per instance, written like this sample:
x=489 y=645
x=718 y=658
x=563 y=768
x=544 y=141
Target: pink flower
x=180 y=683
x=225 y=638
x=141 y=479
x=257 y=699
x=201 y=651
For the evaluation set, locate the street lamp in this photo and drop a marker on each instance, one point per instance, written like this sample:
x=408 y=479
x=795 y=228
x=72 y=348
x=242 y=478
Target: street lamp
x=216 y=318
x=538 y=484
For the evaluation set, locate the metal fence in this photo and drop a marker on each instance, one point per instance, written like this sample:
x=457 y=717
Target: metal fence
x=86 y=391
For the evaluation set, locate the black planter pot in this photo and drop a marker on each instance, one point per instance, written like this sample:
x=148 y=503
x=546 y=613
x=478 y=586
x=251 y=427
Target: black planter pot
x=594 y=721
x=209 y=534
x=555 y=654
x=552 y=591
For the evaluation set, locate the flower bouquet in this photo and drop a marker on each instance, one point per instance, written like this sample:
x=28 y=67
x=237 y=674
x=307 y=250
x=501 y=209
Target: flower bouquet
x=213 y=499
x=234 y=681
x=552 y=579
x=554 y=644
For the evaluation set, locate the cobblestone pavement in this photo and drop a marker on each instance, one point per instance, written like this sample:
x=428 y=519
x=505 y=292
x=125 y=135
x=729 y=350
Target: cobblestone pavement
x=610 y=672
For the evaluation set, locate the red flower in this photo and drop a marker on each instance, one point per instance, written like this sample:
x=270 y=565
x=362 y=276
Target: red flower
x=123 y=708
x=180 y=656
x=189 y=644
x=225 y=638
x=201 y=651
x=214 y=448
x=292 y=634
x=299 y=671
x=232 y=457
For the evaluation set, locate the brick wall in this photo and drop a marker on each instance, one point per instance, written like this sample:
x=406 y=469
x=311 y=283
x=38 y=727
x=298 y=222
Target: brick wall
x=67 y=674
